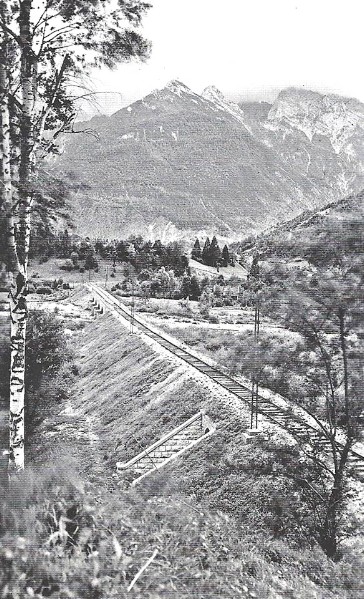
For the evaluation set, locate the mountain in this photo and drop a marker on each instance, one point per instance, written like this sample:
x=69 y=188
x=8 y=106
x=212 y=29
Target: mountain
x=321 y=135
x=175 y=163
x=284 y=240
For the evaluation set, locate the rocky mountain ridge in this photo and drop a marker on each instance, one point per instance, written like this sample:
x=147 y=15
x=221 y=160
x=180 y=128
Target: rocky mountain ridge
x=175 y=163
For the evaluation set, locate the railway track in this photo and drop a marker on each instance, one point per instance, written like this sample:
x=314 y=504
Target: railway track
x=313 y=440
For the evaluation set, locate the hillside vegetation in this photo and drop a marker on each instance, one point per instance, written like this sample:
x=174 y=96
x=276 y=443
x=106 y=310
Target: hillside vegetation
x=226 y=519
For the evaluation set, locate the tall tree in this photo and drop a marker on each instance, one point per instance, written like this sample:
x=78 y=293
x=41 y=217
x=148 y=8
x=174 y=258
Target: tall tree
x=225 y=256
x=45 y=49
x=215 y=252
x=323 y=304
x=195 y=290
x=206 y=252
x=64 y=244
x=254 y=269
x=196 y=253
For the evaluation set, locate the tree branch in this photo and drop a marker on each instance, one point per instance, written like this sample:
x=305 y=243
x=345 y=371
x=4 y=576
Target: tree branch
x=10 y=32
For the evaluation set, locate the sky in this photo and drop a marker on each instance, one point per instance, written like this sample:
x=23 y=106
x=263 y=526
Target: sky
x=249 y=49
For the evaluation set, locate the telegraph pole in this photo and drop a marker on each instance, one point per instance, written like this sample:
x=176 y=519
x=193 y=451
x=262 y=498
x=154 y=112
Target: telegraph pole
x=254 y=274
x=132 y=307
x=255 y=383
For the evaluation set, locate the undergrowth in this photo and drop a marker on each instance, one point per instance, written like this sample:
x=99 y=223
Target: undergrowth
x=60 y=539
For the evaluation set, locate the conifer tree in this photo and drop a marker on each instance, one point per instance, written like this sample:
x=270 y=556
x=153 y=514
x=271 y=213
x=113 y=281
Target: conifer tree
x=91 y=261
x=206 y=252
x=196 y=253
x=186 y=286
x=65 y=245
x=215 y=252
x=225 y=256
x=195 y=290
x=254 y=269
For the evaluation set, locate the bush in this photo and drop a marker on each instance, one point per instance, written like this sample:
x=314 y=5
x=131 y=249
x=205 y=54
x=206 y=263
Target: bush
x=44 y=290
x=48 y=366
x=67 y=265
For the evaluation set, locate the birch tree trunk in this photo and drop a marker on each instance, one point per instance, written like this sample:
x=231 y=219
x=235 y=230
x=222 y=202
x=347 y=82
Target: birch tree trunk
x=18 y=322
x=18 y=316
x=21 y=239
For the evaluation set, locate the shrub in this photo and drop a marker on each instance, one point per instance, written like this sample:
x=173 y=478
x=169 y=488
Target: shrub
x=67 y=265
x=48 y=366
x=91 y=262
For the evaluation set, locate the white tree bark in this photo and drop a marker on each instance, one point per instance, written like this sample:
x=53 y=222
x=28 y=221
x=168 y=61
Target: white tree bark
x=18 y=315
x=17 y=363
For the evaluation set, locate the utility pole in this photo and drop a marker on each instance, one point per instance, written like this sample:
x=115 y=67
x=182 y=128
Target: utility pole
x=132 y=308
x=255 y=383
x=254 y=274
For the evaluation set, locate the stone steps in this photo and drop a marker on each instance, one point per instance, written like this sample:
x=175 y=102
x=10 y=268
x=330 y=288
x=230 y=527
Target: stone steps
x=168 y=447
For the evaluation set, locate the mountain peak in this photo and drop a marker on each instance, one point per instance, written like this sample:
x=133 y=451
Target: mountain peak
x=212 y=93
x=177 y=87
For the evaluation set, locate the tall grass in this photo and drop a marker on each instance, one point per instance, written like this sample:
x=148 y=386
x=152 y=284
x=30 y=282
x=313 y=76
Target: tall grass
x=60 y=539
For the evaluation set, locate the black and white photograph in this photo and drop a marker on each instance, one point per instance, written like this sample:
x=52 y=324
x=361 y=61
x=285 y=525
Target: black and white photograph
x=181 y=299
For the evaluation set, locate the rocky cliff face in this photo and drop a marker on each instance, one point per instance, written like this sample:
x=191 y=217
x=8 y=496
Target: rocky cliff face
x=341 y=120
x=321 y=135
x=177 y=163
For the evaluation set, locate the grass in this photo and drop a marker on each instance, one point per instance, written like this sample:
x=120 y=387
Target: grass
x=51 y=270
x=60 y=537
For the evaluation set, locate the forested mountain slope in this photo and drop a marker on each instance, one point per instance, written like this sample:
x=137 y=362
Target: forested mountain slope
x=177 y=163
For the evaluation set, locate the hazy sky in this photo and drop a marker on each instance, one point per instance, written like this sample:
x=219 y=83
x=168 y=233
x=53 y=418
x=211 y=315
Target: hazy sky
x=248 y=49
